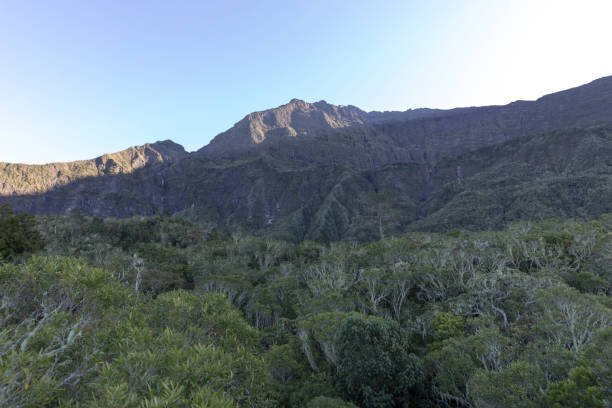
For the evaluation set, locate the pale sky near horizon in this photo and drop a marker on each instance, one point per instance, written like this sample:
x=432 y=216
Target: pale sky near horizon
x=79 y=79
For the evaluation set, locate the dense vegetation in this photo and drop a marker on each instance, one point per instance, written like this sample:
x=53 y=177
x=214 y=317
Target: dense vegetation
x=159 y=312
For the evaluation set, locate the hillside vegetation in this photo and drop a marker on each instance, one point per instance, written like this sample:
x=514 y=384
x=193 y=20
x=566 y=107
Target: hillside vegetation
x=156 y=311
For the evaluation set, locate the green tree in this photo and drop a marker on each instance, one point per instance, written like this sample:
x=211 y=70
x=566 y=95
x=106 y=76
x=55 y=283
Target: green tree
x=454 y=364
x=572 y=318
x=578 y=391
x=446 y=325
x=50 y=310
x=517 y=386
x=18 y=233
x=375 y=369
x=598 y=357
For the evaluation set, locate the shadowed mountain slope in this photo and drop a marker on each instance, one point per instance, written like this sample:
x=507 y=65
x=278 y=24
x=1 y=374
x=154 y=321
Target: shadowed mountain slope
x=558 y=174
x=561 y=174
x=326 y=172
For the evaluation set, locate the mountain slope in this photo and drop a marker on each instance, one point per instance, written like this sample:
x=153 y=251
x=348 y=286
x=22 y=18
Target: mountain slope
x=18 y=179
x=369 y=140
x=561 y=174
x=558 y=174
x=350 y=174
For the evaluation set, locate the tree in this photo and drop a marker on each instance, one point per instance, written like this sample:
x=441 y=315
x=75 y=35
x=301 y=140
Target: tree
x=376 y=291
x=517 y=385
x=446 y=325
x=50 y=309
x=401 y=284
x=375 y=369
x=571 y=318
x=578 y=391
x=18 y=233
x=460 y=358
x=598 y=357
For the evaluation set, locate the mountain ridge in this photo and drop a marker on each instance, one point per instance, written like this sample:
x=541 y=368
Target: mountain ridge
x=427 y=134
x=443 y=169
x=37 y=178
x=291 y=119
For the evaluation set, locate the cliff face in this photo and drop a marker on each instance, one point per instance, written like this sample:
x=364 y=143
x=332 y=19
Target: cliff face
x=318 y=171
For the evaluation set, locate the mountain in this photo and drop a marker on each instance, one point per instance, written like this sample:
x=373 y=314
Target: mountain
x=561 y=174
x=319 y=171
x=299 y=119
x=18 y=179
x=296 y=118
x=363 y=140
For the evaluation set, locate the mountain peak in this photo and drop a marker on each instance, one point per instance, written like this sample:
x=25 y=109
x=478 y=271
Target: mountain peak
x=294 y=119
x=167 y=149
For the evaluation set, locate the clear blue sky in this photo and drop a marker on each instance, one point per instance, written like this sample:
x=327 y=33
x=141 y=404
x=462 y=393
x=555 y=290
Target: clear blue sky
x=80 y=78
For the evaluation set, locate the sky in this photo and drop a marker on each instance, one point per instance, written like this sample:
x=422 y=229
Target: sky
x=83 y=78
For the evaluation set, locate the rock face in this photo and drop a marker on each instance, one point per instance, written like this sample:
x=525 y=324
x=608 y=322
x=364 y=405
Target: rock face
x=317 y=171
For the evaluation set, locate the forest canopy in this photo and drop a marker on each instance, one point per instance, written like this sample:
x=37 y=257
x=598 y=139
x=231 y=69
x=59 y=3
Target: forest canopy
x=161 y=312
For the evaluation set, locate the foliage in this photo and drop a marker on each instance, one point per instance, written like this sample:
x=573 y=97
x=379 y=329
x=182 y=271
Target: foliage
x=517 y=385
x=326 y=402
x=72 y=334
x=18 y=233
x=157 y=311
x=51 y=311
x=192 y=345
x=375 y=368
x=578 y=391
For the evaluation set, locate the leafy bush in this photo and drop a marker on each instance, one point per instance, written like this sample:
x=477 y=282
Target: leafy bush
x=72 y=334
x=51 y=311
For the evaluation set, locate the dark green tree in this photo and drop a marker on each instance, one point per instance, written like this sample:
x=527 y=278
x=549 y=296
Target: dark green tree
x=518 y=385
x=375 y=368
x=578 y=391
x=18 y=233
